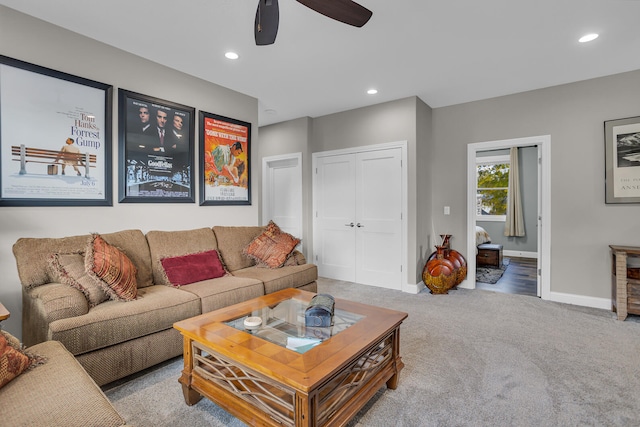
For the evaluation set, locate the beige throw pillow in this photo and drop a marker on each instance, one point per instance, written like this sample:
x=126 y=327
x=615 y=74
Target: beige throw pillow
x=70 y=270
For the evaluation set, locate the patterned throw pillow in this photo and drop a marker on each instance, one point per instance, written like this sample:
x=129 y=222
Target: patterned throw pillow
x=13 y=359
x=114 y=270
x=69 y=269
x=185 y=269
x=272 y=247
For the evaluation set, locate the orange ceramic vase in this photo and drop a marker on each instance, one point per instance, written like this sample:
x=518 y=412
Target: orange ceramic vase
x=440 y=274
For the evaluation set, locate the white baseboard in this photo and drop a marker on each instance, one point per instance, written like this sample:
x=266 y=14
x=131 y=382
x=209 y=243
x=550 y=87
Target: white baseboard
x=603 y=303
x=573 y=299
x=414 y=289
x=521 y=254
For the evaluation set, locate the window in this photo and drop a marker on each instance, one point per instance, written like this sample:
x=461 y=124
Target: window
x=492 y=175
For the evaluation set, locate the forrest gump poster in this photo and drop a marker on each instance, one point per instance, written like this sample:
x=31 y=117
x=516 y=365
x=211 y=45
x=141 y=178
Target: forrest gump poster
x=226 y=168
x=623 y=160
x=53 y=137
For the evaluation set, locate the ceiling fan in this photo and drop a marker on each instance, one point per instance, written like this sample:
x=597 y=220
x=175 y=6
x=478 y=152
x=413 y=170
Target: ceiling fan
x=268 y=16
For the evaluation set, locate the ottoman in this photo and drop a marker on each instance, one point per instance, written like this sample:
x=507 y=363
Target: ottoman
x=489 y=255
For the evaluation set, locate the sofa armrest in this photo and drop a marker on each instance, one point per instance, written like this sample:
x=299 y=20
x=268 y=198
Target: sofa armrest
x=48 y=303
x=60 y=301
x=57 y=393
x=296 y=258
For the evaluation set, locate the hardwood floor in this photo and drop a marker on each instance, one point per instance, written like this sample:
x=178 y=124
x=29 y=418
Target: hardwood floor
x=519 y=278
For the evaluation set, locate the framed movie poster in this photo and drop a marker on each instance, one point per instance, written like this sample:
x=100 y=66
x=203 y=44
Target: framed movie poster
x=55 y=137
x=156 y=144
x=225 y=161
x=622 y=160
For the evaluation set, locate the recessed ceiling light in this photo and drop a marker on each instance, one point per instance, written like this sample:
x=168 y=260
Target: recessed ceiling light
x=588 y=37
x=231 y=55
x=372 y=91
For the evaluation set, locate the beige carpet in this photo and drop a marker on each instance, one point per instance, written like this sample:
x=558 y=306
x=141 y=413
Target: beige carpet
x=473 y=358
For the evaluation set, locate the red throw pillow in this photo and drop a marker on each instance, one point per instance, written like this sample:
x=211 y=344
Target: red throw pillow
x=185 y=269
x=272 y=247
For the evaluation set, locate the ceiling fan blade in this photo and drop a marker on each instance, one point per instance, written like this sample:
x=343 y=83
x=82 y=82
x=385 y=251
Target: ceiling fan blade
x=346 y=11
x=265 y=28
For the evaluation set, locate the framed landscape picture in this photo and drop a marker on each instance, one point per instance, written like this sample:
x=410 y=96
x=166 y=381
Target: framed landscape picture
x=622 y=160
x=55 y=137
x=156 y=145
x=225 y=160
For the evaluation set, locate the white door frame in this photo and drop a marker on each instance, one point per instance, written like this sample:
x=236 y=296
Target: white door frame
x=268 y=164
x=544 y=206
x=405 y=195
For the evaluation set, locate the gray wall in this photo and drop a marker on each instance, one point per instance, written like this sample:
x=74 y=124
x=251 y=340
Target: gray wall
x=528 y=173
x=406 y=119
x=381 y=123
x=582 y=225
x=28 y=39
x=424 y=227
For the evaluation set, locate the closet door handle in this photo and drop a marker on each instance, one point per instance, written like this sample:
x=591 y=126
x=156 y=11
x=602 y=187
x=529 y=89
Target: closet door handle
x=349 y=225
x=359 y=225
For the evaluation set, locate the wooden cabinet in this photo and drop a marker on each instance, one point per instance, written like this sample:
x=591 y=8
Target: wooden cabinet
x=625 y=290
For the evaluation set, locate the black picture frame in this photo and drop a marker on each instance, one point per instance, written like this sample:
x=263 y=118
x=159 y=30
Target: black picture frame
x=622 y=160
x=225 y=160
x=155 y=168
x=55 y=137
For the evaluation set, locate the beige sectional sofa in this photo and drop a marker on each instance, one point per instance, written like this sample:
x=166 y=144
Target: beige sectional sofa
x=114 y=339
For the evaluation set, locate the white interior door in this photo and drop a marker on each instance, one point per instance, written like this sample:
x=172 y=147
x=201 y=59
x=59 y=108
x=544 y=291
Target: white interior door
x=334 y=234
x=379 y=218
x=282 y=192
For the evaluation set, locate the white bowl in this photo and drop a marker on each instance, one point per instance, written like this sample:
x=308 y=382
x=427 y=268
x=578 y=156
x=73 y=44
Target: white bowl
x=251 y=323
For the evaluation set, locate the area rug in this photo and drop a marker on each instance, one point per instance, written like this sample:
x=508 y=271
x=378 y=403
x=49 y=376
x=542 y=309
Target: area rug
x=491 y=275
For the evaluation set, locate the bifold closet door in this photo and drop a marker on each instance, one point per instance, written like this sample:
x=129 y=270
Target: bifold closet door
x=358 y=221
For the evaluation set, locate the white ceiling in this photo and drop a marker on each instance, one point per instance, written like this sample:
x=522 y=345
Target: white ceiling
x=444 y=51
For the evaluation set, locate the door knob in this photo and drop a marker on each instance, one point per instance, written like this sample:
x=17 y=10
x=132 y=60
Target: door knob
x=359 y=225
x=349 y=225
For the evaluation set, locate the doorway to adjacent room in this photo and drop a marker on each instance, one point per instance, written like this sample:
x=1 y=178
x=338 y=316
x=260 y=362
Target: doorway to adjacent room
x=542 y=268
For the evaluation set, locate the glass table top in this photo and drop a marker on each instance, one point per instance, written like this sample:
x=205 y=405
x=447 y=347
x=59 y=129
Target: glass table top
x=283 y=324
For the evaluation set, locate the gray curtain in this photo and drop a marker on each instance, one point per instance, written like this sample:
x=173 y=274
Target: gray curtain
x=514 y=224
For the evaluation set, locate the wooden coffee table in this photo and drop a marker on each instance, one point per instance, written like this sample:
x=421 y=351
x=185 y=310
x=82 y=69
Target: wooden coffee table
x=253 y=375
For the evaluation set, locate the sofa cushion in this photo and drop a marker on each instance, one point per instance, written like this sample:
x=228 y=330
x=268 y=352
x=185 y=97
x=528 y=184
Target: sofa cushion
x=164 y=244
x=58 y=393
x=281 y=278
x=156 y=308
x=13 y=359
x=134 y=244
x=231 y=242
x=71 y=271
x=32 y=255
x=112 y=269
x=272 y=247
x=185 y=269
x=225 y=291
